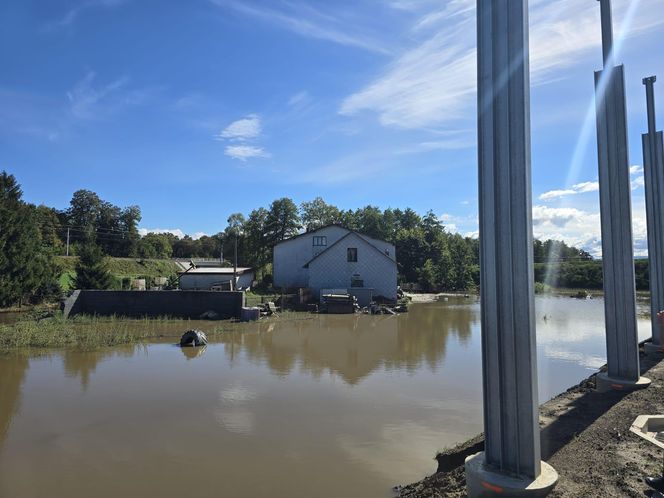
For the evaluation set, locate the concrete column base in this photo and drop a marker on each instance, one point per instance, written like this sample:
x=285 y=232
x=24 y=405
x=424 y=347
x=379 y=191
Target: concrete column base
x=484 y=482
x=604 y=383
x=651 y=348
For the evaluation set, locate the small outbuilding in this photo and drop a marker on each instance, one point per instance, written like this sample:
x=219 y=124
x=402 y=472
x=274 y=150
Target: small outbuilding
x=216 y=279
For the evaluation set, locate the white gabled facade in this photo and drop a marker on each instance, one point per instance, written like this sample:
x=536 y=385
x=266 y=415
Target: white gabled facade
x=321 y=260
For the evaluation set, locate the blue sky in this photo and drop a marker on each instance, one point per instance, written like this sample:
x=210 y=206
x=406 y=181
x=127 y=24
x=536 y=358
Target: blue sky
x=198 y=109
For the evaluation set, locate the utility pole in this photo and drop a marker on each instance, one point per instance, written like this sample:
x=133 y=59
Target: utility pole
x=653 y=169
x=67 y=241
x=510 y=464
x=221 y=250
x=235 y=263
x=622 y=343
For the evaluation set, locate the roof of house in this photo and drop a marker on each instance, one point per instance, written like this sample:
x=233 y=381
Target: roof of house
x=215 y=271
x=328 y=226
x=359 y=236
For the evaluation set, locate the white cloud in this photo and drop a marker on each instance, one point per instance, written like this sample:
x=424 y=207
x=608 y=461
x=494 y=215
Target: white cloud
x=244 y=152
x=433 y=83
x=243 y=132
x=634 y=170
x=582 y=229
x=243 y=129
x=175 y=231
x=638 y=182
x=303 y=19
x=579 y=188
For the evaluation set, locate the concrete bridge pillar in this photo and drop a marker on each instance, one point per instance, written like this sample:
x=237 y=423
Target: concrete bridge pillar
x=511 y=463
x=653 y=166
x=616 y=220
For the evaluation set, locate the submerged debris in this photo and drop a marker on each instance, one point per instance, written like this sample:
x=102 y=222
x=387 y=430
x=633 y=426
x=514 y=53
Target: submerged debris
x=193 y=338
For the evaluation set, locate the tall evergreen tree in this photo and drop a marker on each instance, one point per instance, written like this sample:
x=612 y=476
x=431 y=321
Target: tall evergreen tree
x=91 y=270
x=26 y=267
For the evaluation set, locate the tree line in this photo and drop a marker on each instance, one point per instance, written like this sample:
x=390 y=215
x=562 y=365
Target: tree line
x=30 y=237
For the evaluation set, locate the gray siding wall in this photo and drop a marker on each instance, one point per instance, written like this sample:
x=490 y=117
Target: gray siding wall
x=332 y=270
x=383 y=246
x=291 y=256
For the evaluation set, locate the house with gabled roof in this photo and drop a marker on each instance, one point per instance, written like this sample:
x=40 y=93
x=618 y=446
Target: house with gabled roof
x=335 y=257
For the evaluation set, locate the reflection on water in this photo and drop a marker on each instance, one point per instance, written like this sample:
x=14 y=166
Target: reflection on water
x=322 y=406
x=354 y=346
x=12 y=374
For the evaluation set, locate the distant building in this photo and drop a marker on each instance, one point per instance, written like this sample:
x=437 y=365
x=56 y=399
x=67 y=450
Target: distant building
x=334 y=257
x=215 y=279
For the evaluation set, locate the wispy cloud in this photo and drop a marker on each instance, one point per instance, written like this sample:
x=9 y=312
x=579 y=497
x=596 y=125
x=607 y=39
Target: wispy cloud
x=303 y=19
x=85 y=97
x=243 y=129
x=244 y=152
x=433 y=84
x=300 y=100
x=80 y=8
x=56 y=117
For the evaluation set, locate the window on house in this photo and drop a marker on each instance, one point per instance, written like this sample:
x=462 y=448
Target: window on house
x=356 y=281
x=352 y=254
x=320 y=240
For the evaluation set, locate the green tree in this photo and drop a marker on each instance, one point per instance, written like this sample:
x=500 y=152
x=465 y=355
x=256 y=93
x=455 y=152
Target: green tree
x=27 y=270
x=91 y=269
x=282 y=221
x=369 y=221
x=83 y=214
x=154 y=246
x=49 y=227
x=258 y=248
x=317 y=213
x=130 y=217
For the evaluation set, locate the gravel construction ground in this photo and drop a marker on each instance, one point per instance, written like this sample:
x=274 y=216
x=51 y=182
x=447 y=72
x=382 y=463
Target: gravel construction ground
x=585 y=436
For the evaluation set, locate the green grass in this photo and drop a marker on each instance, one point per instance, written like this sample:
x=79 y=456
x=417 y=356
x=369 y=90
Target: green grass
x=120 y=268
x=253 y=299
x=83 y=332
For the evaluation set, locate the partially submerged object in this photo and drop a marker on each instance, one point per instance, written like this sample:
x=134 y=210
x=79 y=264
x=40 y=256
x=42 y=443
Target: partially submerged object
x=193 y=338
x=250 y=314
x=339 y=304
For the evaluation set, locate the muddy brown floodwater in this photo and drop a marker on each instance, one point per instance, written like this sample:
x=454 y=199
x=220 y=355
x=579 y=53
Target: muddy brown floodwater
x=322 y=407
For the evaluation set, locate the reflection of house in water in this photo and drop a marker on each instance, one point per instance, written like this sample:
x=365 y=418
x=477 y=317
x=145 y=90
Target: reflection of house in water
x=353 y=346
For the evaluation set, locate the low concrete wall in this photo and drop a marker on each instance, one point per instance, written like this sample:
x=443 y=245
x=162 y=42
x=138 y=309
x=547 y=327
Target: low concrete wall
x=181 y=304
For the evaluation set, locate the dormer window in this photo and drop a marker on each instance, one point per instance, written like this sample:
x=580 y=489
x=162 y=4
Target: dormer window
x=319 y=240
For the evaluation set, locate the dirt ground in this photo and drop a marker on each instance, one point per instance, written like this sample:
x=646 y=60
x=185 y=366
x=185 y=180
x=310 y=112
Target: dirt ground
x=585 y=437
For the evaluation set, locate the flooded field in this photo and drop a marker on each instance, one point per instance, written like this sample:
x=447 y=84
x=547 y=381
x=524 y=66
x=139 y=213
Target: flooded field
x=319 y=406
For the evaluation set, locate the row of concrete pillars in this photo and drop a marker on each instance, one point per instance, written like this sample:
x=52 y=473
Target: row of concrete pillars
x=511 y=462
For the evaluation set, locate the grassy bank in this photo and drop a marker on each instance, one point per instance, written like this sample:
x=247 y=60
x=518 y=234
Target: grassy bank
x=89 y=332
x=120 y=268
